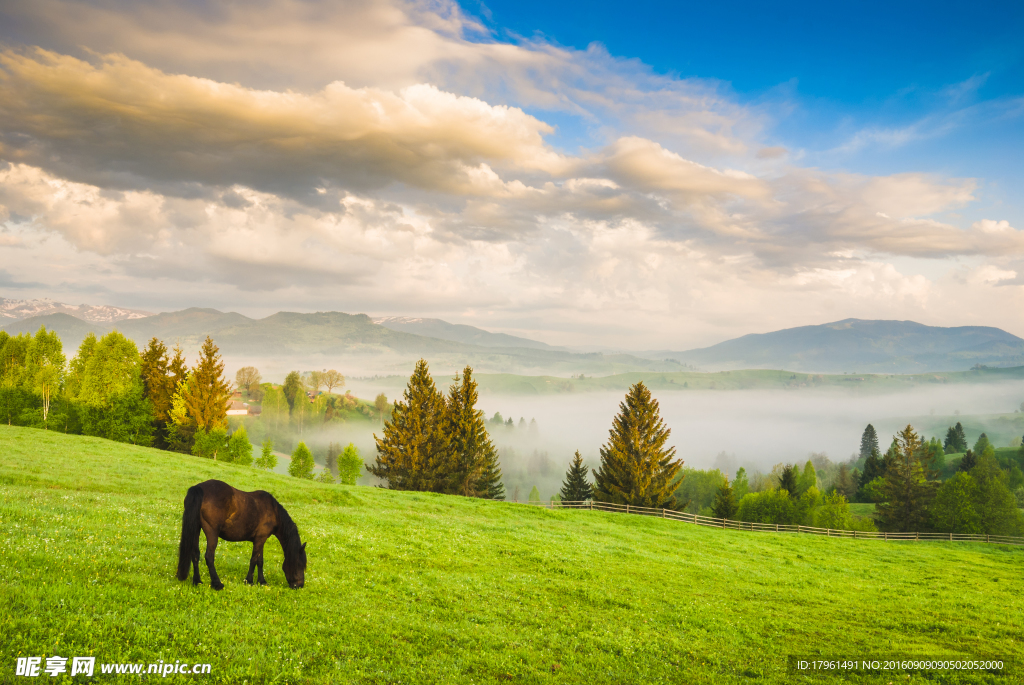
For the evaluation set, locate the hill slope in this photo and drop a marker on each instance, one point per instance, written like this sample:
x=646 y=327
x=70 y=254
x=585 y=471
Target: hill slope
x=861 y=346
x=420 y=588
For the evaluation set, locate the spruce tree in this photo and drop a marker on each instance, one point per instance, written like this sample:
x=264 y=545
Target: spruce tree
x=724 y=506
x=983 y=442
x=207 y=393
x=576 y=487
x=414 y=447
x=472 y=469
x=908 y=492
x=636 y=467
x=158 y=387
x=788 y=479
x=956 y=440
x=868 y=442
x=967 y=462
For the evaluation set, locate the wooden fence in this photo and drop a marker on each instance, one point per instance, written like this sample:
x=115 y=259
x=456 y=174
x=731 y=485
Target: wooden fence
x=775 y=527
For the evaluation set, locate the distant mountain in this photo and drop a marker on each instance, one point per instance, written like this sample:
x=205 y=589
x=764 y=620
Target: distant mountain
x=861 y=346
x=352 y=343
x=16 y=310
x=436 y=328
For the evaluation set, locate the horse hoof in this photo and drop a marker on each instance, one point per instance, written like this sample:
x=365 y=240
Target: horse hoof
x=247 y=581
x=218 y=586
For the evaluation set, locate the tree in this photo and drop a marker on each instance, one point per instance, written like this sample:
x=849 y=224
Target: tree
x=267 y=459
x=725 y=506
x=332 y=379
x=380 y=403
x=313 y=381
x=302 y=411
x=110 y=392
x=740 y=486
x=868 y=442
x=956 y=440
x=248 y=377
x=934 y=457
x=636 y=467
x=844 y=483
x=994 y=503
x=472 y=467
x=239 y=447
x=207 y=393
x=967 y=462
x=788 y=480
x=808 y=479
x=331 y=463
x=275 y=407
x=534 y=495
x=696 y=490
x=325 y=476
x=953 y=508
x=211 y=444
x=350 y=465
x=413 y=449
x=44 y=368
x=981 y=444
x=576 y=487
x=873 y=468
x=834 y=511
x=302 y=462
x=907 y=490
x=292 y=388
x=158 y=386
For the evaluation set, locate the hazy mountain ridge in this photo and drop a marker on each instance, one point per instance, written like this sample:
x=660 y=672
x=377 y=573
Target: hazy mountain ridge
x=861 y=346
x=351 y=342
x=16 y=310
x=436 y=328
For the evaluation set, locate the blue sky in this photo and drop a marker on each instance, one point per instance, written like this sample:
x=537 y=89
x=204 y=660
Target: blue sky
x=940 y=82
x=639 y=175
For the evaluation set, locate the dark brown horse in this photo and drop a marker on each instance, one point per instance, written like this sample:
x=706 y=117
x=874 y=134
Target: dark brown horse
x=221 y=511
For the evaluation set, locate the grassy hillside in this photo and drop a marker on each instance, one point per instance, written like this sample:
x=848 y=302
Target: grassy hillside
x=419 y=588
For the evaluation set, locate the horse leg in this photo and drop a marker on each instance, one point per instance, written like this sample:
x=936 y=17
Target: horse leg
x=257 y=555
x=256 y=558
x=211 y=549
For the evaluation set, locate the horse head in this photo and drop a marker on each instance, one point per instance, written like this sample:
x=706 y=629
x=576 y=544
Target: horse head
x=294 y=568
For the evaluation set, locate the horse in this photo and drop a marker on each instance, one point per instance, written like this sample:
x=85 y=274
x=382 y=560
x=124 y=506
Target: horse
x=221 y=511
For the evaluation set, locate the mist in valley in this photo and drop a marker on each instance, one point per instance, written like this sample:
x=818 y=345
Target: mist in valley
x=755 y=429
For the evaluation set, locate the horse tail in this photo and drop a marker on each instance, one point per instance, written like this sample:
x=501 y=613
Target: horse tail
x=188 y=548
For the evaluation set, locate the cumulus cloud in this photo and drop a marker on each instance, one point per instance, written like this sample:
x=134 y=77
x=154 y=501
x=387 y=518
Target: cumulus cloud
x=395 y=158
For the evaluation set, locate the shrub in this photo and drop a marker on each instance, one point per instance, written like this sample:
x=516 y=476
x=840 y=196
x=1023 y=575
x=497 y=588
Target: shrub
x=769 y=506
x=302 y=462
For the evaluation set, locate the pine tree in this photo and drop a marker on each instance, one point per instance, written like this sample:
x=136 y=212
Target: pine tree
x=788 y=480
x=158 y=387
x=868 y=442
x=724 y=506
x=907 y=490
x=576 y=487
x=207 y=393
x=636 y=467
x=472 y=469
x=413 y=449
x=983 y=442
x=956 y=440
x=302 y=463
x=967 y=462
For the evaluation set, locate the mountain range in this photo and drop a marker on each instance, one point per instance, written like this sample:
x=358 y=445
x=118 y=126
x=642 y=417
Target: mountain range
x=355 y=343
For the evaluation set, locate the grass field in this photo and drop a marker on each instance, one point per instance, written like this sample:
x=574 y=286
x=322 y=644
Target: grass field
x=420 y=588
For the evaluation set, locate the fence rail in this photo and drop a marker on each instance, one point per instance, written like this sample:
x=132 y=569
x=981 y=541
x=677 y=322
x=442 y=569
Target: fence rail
x=729 y=524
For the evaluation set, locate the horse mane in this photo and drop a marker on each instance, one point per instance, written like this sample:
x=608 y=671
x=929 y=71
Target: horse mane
x=288 y=534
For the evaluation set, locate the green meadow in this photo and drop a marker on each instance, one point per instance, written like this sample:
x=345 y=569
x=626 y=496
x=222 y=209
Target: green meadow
x=423 y=588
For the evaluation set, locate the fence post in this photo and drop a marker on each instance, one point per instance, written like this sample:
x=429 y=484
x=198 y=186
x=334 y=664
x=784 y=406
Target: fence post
x=951 y=537
x=662 y=513
x=986 y=537
x=828 y=532
x=885 y=535
x=627 y=508
x=917 y=536
x=591 y=505
x=776 y=528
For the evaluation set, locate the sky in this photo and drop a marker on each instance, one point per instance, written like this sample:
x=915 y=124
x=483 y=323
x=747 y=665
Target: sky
x=643 y=175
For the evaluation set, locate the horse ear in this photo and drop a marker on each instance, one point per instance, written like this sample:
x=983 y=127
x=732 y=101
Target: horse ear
x=303 y=546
